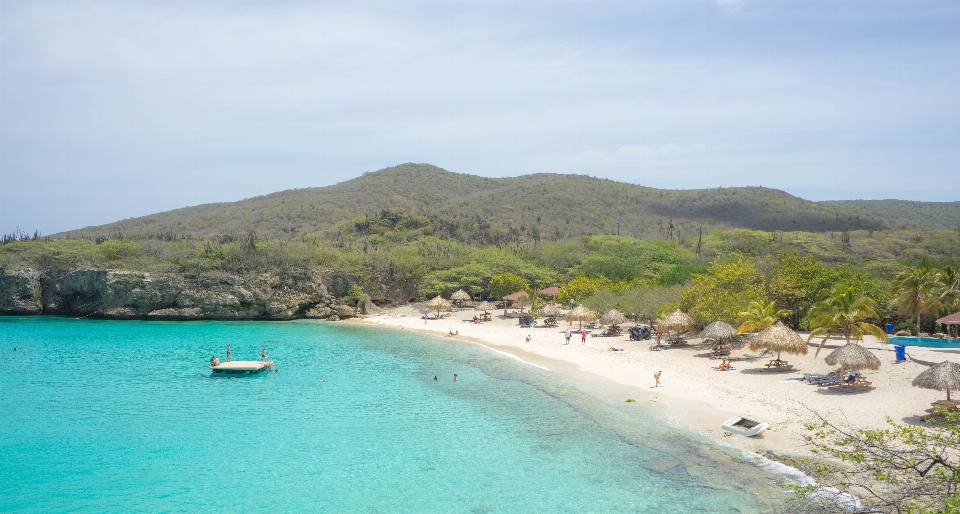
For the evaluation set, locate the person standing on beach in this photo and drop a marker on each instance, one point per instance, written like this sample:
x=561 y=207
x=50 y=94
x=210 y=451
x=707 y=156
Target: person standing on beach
x=656 y=377
x=583 y=337
x=567 y=335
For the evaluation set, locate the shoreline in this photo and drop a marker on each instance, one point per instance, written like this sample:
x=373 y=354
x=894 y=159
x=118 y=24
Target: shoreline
x=692 y=395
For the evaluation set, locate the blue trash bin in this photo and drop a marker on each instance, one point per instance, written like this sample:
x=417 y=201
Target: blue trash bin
x=901 y=352
x=889 y=328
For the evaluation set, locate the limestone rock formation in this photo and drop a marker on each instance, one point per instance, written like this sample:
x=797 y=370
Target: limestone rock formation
x=20 y=292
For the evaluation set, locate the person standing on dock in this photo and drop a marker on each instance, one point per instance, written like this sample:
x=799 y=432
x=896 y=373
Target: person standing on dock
x=263 y=353
x=228 y=353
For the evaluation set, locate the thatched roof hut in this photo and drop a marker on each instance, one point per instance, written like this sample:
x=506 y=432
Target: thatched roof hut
x=942 y=377
x=550 y=310
x=779 y=338
x=853 y=356
x=484 y=306
x=717 y=330
x=438 y=303
x=613 y=317
x=581 y=314
x=677 y=323
x=459 y=297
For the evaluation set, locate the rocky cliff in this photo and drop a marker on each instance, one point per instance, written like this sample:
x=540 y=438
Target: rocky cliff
x=130 y=295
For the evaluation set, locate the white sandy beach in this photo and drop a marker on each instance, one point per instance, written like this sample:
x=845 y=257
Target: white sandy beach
x=701 y=397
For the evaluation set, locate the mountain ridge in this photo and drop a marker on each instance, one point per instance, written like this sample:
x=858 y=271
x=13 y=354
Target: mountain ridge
x=544 y=203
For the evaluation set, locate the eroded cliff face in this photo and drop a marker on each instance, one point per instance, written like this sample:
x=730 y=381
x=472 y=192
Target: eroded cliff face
x=20 y=292
x=131 y=295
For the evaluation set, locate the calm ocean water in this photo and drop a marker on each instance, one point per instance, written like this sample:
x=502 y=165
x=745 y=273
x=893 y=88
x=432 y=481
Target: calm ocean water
x=117 y=416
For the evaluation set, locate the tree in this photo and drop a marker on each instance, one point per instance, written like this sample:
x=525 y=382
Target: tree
x=903 y=468
x=507 y=283
x=950 y=293
x=917 y=293
x=579 y=289
x=726 y=289
x=842 y=312
x=760 y=314
x=796 y=284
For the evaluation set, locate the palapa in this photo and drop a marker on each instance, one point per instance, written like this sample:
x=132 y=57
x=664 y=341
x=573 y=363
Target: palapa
x=853 y=356
x=460 y=296
x=438 y=303
x=484 y=306
x=550 y=310
x=581 y=314
x=779 y=338
x=613 y=317
x=677 y=323
x=717 y=330
x=942 y=377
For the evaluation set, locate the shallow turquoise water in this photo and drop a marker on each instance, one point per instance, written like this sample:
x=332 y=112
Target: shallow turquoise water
x=109 y=416
x=930 y=342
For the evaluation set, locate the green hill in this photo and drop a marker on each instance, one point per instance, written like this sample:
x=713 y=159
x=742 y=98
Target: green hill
x=904 y=213
x=427 y=199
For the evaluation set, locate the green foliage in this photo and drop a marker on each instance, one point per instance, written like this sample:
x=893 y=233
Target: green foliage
x=918 y=292
x=903 y=213
x=355 y=292
x=724 y=291
x=760 y=314
x=625 y=259
x=506 y=284
x=580 y=288
x=843 y=312
x=901 y=468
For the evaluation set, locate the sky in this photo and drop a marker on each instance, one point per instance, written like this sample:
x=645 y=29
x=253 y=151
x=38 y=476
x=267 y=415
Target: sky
x=111 y=110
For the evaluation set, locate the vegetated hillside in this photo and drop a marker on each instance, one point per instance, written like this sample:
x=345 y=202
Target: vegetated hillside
x=904 y=213
x=476 y=209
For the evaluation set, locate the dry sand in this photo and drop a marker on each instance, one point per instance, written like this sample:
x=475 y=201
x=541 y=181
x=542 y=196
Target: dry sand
x=700 y=397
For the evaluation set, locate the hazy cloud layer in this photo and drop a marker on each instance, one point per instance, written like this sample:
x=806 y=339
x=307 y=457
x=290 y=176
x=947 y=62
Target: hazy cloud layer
x=111 y=110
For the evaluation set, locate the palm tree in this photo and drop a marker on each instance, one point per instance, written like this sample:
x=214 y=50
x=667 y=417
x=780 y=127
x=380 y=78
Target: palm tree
x=917 y=293
x=760 y=314
x=950 y=293
x=842 y=312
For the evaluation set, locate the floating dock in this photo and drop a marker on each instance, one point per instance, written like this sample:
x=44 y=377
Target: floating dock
x=242 y=367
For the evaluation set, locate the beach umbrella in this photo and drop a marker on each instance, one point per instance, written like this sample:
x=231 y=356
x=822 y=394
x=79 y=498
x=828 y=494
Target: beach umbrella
x=779 y=338
x=942 y=377
x=484 y=306
x=717 y=330
x=550 y=310
x=581 y=314
x=677 y=322
x=438 y=303
x=853 y=356
x=518 y=296
x=460 y=296
x=613 y=317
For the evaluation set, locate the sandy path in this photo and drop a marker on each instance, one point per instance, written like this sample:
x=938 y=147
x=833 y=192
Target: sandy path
x=701 y=397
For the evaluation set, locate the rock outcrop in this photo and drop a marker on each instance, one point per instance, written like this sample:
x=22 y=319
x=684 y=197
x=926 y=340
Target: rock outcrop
x=20 y=292
x=133 y=295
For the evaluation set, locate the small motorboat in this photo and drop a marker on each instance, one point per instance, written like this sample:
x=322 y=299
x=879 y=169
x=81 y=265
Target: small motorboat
x=742 y=425
x=242 y=367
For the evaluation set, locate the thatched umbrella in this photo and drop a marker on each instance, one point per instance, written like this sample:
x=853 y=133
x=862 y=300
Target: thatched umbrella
x=438 y=303
x=581 y=314
x=460 y=297
x=853 y=356
x=550 y=310
x=717 y=330
x=484 y=306
x=779 y=338
x=677 y=323
x=613 y=317
x=942 y=377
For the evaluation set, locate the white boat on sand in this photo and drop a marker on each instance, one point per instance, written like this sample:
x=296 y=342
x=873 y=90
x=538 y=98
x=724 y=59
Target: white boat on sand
x=742 y=425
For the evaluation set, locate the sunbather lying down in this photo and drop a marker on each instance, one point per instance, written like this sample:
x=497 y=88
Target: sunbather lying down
x=657 y=347
x=612 y=349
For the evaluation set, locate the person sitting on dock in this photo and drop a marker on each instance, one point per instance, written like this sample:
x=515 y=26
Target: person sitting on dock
x=214 y=361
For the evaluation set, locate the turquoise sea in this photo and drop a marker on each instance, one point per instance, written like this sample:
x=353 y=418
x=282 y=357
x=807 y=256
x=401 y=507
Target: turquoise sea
x=124 y=416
